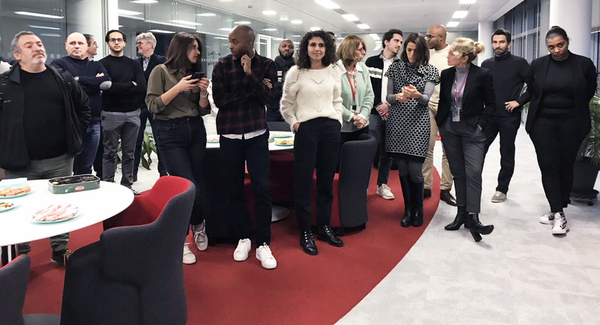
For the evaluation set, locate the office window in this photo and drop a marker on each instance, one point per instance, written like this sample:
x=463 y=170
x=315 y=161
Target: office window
x=523 y=22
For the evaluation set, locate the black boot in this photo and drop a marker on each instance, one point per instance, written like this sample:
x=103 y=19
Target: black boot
x=325 y=233
x=407 y=217
x=477 y=228
x=307 y=242
x=416 y=196
x=461 y=218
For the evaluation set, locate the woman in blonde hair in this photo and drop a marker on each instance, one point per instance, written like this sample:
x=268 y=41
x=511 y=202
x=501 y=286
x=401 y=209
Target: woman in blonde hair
x=466 y=98
x=357 y=91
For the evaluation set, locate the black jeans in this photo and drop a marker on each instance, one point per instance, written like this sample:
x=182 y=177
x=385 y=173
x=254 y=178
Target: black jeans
x=144 y=116
x=182 y=142
x=377 y=129
x=316 y=146
x=556 y=141
x=234 y=154
x=507 y=126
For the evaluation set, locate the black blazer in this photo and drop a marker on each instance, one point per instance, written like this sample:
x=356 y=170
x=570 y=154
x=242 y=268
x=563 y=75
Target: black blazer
x=584 y=78
x=479 y=99
x=155 y=60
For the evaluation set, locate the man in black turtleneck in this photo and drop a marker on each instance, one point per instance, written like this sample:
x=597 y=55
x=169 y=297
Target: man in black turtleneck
x=283 y=62
x=508 y=73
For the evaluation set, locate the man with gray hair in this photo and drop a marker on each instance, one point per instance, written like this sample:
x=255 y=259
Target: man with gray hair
x=44 y=119
x=146 y=43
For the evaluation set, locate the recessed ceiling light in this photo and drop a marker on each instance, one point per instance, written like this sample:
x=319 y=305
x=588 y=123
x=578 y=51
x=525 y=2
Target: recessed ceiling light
x=467 y=2
x=35 y=14
x=460 y=14
x=452 y=24
x=375 y=37
x=207 y=14
x=284 y=18
x=243 y=22
x=123 y=12
x=277 y=39
x=50 y=35
x=185 y=22
x=269 y=12
x=340 y=38
x=162 y=31
x=226 y=29
x=363 y=26
x=223 y=38
x=315 y=28
x=296 y=21
x=145 y=1
x=44 y=27
x=350 y=17
x=270 y=29
x=328 y=4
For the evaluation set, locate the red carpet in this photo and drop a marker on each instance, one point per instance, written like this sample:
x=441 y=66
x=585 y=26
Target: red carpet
x=302 y=290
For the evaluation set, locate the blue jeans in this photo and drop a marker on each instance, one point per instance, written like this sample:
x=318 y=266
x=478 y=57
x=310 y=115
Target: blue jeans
x=82 y=164
x=146 y=115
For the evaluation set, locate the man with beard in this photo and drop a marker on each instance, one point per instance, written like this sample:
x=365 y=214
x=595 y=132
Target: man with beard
x=283 y=62
x=44 y=118
x=92 y=78
x=378 y=65
x=242 y=86
x=438 y=54
x=120 y=113
x=508 y=72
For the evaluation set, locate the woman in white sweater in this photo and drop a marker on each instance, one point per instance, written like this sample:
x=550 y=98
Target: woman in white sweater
x=312 y=105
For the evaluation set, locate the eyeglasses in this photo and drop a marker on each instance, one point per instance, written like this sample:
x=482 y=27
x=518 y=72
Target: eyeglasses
x=115 y=40
x=452 y=53
x=429 y=36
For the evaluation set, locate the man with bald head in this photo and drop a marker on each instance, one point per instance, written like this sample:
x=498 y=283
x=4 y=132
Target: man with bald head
x=438 y=53
x=283 y=62
x=242 y=85
x=92 y=78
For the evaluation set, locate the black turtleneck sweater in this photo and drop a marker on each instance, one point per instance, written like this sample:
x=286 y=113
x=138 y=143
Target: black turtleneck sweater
x=508 y=73
x=283 y=65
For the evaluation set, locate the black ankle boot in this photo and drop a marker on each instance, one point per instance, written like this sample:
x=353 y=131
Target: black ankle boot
x=407 y=217
x=477 y=228
x=461 y=218
x=416 y=196
x=325 y=233
x=307 y=243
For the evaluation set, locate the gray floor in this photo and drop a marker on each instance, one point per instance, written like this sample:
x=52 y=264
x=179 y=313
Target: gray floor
x=520 y=274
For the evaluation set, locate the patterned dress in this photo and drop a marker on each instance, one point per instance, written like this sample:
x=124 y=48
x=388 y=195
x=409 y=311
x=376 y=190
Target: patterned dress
x=408 y=126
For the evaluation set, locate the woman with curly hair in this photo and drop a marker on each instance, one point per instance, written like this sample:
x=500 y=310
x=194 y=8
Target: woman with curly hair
x=312 y=105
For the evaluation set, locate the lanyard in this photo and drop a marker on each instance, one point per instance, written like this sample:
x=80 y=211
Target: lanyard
x=461 y=89
x=353 y=87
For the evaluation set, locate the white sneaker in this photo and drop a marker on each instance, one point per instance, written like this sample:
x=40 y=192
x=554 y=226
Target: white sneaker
x=200 y=238
x=385 y=192
x=188 y=256
x=560 y=224
x=241 y=251
x=498 y=197
x=264 y=255
x=547 y=218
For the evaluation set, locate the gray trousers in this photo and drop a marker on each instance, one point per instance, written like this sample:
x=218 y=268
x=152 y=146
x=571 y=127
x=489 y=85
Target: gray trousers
x=117 y=125
x=465 y=151
x=42 y=169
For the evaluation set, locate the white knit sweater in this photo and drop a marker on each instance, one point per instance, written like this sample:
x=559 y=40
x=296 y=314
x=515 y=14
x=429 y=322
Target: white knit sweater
x=310 y=93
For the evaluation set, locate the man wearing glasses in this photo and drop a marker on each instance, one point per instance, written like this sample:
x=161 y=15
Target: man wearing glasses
x=120 y=115
x=438 y=53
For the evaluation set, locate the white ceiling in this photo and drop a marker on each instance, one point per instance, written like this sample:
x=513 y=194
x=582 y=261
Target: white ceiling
x=380 y=15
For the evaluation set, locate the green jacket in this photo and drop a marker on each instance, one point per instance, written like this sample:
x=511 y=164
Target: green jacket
x=364 y=95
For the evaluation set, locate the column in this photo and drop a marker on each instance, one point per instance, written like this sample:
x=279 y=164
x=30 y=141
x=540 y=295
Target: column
x=575 y=16
x=485 y=29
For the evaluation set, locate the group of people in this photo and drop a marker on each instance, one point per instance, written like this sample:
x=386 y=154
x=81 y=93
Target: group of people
x=414 y=89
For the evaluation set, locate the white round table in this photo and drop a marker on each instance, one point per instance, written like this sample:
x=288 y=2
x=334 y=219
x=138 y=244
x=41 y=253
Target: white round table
x=94 y=206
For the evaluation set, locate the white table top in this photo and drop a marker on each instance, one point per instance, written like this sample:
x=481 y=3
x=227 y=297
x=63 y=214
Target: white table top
x=94 y=206
x=213 y=140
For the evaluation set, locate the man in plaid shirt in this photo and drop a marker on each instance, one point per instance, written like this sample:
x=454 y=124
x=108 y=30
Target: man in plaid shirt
x=242 y=84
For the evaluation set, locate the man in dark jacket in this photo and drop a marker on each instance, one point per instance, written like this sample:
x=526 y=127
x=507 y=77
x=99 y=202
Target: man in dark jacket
x=44 y=116
x=283 y=63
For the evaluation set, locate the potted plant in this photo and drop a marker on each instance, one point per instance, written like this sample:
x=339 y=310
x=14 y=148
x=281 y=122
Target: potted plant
x=585 y=170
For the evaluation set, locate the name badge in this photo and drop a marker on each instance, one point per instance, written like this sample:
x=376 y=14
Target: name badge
x=455 y=114
x=279 y=73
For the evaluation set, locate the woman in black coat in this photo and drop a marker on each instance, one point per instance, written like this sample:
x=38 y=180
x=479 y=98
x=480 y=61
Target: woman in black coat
x=466 y=97
x=560 y=86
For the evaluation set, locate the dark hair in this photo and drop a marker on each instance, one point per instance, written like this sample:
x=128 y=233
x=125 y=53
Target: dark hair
x=303 y=61
x=387 y=36
x=422 y=49
x=106 y=38
x=502 y=31
x=88 y=38
x=177 y=54
x=557 y=31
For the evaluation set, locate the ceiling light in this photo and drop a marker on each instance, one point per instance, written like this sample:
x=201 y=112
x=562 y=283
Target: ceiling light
x=223 y=38
x=50 y=35
x=243 y=22
x=207 y=14
x=44 y=27
x=270 y=29
x=452 y=24
x=269 y=12
x=460 y=14
x=340 y=38
x=123 y=12
x=162 y=31
x=35 y=14
x=145 y=1
x=296 y=35
x=226 y=29
x=327 y=4
x=284 y=18
x=277 y=39
x=375 y=37
x=296 y=21
x=315 y=28
x=363 y=26
x=350 y=17
x=467 y=2
x=185 y=22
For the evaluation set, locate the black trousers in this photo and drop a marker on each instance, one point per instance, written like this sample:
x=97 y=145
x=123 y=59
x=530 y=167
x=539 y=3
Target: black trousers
x=316 y=146
x=377 y=129
x=556 y=141
x=235 y=153
x=507 y=127
x=145 y=115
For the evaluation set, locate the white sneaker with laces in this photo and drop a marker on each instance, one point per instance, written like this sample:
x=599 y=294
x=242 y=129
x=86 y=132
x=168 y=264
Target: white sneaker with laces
x=547 y=218
x=200 y=238
x=498 y=197
x=265 y=256
x=560 y=224
x=241 y=251
x=188 y=256
x=385 y=192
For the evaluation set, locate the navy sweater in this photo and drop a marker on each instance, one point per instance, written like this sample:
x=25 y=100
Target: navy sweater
x=122 y=96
